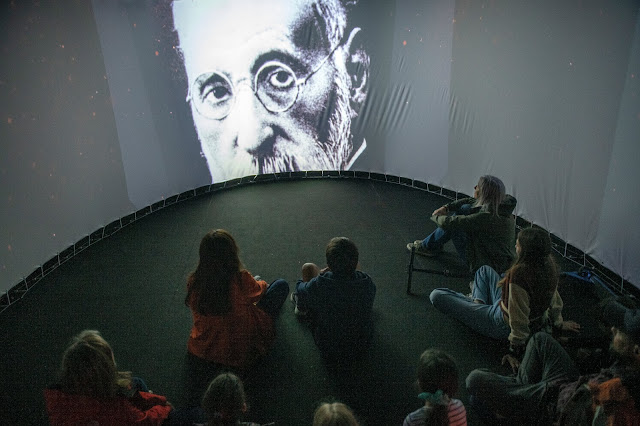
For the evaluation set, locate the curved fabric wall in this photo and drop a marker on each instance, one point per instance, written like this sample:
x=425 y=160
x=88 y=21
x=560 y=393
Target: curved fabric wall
x=108 y=110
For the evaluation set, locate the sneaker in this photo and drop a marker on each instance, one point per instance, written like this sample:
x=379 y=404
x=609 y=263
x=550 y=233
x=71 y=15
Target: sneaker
x=421 y=250
x=294 y=299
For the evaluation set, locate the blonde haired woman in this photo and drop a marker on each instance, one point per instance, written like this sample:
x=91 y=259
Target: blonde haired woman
x=482 y=228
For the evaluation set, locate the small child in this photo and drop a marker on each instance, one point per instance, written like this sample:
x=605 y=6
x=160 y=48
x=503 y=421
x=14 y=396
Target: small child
x=92 y=391
x=334 y=414
x=224 y=402
x=338 y=301
x=233 y=313
x=438 y=381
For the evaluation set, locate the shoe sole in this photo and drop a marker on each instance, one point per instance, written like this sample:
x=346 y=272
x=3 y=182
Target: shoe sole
x=296 y=311
x=410 y=246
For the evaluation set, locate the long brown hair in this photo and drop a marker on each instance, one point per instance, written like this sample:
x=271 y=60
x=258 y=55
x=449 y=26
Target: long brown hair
x=88 y=368
x=219 y=266
x=535 y=263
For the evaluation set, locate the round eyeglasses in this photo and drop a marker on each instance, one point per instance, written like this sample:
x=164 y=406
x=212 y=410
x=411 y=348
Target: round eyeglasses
x=275 y=85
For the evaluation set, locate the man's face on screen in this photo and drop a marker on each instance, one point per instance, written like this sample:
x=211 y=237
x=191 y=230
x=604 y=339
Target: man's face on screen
x=268 y=91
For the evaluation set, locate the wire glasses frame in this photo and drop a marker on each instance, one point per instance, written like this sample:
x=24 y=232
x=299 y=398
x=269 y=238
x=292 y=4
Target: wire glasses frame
x=275 y=85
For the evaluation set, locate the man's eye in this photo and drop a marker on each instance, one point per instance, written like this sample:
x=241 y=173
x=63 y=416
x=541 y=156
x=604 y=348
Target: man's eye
x=280 y=78
x=215 y=93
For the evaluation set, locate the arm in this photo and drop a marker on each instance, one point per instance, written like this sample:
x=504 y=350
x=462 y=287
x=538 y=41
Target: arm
x=555 y=310
x=464 y=223
x=149 y=409
x=555 y=314
x=518 y=315
x=454 y=206
x=303 y=291
x=252 y=289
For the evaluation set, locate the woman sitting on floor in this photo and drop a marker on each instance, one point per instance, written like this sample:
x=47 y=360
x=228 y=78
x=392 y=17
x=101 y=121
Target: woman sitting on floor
x=525 y=301
x=233 y=313
x=92 y=391
x=482 y=228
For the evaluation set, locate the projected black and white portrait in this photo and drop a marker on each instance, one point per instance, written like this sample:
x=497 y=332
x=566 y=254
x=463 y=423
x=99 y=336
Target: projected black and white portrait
x=277 y=90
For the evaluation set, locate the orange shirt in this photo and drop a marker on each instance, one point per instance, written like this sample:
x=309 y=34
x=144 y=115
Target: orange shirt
x=237 y=338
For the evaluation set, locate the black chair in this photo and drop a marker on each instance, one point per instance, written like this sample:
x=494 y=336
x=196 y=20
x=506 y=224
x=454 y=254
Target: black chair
x=447 y=273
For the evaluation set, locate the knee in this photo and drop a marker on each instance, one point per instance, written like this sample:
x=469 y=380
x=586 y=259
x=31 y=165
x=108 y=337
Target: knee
x=309 y=271
x=483 y=271
x=474 y=382
x=465 y=209
x=436 y=297
x=486 y=274
x=281 y=287
x=540 y=339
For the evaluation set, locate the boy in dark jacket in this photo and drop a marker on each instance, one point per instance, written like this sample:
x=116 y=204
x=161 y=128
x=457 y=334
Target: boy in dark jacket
x=338 y=301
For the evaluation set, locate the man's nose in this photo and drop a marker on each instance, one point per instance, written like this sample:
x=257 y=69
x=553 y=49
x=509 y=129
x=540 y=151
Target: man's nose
x=250 y=121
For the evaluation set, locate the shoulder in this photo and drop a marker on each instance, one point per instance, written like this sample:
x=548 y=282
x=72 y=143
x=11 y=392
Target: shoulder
x=456 y=407
x=415 y=418
x=507 y=206
x=312 y=284
x=190 y=280
x=244 y=278
x=457 y=413
x=362 y=276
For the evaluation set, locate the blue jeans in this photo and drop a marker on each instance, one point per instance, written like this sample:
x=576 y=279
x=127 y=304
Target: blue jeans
x=437 y=239
x=485 y=318
x=524 y=396
x=274 y=297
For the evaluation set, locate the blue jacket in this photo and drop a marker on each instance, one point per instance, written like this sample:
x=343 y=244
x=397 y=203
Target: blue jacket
x=339 y=310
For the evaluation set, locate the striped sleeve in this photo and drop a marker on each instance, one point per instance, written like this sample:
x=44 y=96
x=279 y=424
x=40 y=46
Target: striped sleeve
x=457 y=413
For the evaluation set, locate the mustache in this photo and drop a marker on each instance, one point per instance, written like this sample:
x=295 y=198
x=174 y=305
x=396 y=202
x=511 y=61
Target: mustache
x=331 y=154
x=277 y=163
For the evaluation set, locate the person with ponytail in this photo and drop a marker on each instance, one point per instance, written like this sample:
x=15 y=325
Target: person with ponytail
x=233 y=312
x=517 y=305
x=438 y=383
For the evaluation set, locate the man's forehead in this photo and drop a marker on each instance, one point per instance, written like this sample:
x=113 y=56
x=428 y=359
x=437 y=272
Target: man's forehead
x=211 y=31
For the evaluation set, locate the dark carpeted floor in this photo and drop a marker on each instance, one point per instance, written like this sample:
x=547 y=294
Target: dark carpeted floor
x=131 y=287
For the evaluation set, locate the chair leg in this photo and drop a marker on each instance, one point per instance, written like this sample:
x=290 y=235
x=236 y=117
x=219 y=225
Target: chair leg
x=410 y=269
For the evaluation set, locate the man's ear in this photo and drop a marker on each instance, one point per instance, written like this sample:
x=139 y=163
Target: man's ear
x=357 y=63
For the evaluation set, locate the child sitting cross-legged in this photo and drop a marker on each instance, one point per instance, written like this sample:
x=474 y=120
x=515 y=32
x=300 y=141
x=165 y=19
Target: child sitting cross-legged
x=338 y=301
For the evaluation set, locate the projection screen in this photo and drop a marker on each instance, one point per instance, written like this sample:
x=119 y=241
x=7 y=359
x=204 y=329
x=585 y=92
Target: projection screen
x=110 y=106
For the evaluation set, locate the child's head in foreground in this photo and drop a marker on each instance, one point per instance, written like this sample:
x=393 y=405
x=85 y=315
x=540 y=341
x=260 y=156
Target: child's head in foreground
x=224 y=402
x=342 y=256
x=334 y=414
x=438 y=382
x=89 y=368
